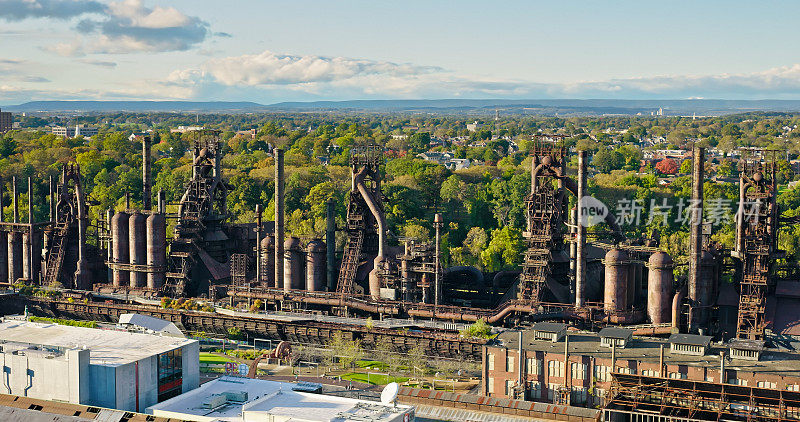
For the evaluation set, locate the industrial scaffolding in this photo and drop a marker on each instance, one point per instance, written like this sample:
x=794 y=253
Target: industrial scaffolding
x=640 y=398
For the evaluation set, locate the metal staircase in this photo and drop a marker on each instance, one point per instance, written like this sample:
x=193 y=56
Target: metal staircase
x=351 y=259
x=55 y=256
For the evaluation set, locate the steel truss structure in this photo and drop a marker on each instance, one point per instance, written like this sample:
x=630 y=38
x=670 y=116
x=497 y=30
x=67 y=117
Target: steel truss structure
x=639 y=398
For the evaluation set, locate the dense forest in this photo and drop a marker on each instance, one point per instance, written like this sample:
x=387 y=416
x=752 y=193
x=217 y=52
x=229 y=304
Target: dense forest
x=483 y=205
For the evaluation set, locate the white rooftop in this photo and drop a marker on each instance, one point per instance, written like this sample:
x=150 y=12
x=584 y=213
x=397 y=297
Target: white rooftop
x=277 y=399
x=107 y=347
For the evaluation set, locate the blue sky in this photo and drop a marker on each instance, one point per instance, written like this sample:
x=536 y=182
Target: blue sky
x=272 y=51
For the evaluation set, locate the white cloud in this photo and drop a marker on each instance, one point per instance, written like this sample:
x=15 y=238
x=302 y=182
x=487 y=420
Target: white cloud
x=16 y=10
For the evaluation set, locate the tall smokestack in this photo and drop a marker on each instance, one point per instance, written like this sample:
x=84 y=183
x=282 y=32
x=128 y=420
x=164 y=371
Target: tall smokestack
x=52 y=200
x=16 y=200
x=146 y=191
x=580 y=238
x=696 y=239
x=30 y=202
x=2 y=187
x=162 y=201
x=258 y=244
x=330 y=239
x=279 y=217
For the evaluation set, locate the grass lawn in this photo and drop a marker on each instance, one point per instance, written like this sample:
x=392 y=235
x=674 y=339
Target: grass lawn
x=372 y=364
x=374 y=379
x=210 y=358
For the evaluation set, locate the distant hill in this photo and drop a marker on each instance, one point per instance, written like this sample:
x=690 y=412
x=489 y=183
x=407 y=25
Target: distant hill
x=547 y=107
x=134 y=106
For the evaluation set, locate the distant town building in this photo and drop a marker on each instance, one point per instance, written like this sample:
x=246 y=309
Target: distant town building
x=6 y=121
x=236 y=399
x=184 y=129
x=472 y=127
x=104 y=368
x=247 y=133
x=74 y=131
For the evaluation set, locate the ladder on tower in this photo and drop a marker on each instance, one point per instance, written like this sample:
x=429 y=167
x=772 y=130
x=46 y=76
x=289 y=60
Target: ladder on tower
x=351 y=259
x=55 y=259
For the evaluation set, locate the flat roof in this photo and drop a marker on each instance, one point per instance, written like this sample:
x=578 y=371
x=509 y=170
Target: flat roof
x=550 y=327
x=693 y=339
x=272 y=397
x=648 y=349
x=106 y=347
x=615 y=332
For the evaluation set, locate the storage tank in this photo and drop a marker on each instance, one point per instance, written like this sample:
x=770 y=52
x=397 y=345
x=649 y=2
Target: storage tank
x=156 y=249
x=3 y=256
x=27 y=271
x=316 y=265
x=268 y=261
x=120 y=252
x=615 y=296
x=706 y=287
x=292 y=264
x=14 y=256
x=137 y=245
x=659 y=288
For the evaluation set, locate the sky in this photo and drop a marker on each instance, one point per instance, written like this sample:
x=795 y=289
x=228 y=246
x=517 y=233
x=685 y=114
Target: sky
x=301 y=50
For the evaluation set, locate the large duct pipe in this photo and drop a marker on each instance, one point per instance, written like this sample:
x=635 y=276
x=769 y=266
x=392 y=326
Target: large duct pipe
x=146 y=180
x=14 y=256
x=27 y=256
x=659 y=287
x=696 y=240
x=372 y=204
x=330 y=241
x=82 y=277
x=580 y=238
x=28 y=271
x=52 y=200
x=279 y=218
x=137 y=232
x=3 y=241
x=677 y=300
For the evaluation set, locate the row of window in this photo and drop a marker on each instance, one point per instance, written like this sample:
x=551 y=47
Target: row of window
x=602 y=373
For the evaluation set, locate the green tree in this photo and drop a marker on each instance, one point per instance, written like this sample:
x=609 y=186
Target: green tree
x=504 y=250
x=607 y=160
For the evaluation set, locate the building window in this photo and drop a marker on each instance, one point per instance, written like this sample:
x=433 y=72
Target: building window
x=490 y=358
x=737 y=381
x=170 y=374
x=599 y=395
x=677 y=375
x=551 y=391
x=649 y=373
x=509 y=388
x=579 y=395
x=578 y=370
x=535 y=390
x=625 y=370
x=509 y=363
x=767 y=384
x=555 y=368
x=793 y=387
x=490 y=387
x=533 y=366
x=601 y=373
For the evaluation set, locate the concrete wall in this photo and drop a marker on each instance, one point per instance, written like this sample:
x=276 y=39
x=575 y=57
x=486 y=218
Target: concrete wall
x=58 y=378
x=191 y=366
x=103 y=390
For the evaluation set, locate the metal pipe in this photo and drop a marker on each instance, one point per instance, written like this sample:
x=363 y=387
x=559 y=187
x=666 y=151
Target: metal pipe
x=696 y=241
x=722 y=367
x=146 y=184
x=2 y=207
x=580 y=244
x=661 y=361
x=279 y=216
x=52 y=200
x=330 y=239
x=29 y=248
x=437 y=292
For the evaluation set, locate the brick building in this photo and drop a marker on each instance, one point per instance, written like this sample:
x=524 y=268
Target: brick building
x=6 y=121
x=590 y=357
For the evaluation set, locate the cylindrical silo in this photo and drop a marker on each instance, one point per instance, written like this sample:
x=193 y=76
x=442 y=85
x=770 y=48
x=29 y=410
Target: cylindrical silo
x=659 y=288
x=14 y=256
x=268 y=261
x=26 y=256
x=156 y=249
x=705 y=289
x=3 y=255
x=292 y=264
x=120 y=251
x=615 y=298
x=316 y=265
x=137 y=245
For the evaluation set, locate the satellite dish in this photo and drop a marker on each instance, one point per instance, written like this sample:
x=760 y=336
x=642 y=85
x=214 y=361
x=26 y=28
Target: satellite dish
x=389 y=393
